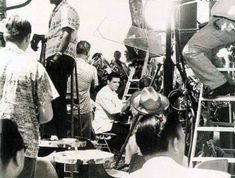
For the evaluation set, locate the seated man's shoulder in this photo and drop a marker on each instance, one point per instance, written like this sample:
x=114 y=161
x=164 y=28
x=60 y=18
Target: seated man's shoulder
x=103 y=90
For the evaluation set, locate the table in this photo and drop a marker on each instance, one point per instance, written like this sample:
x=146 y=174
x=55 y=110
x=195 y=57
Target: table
x=83 y=157
x=48 y=146
x=64 y=143
x=89 y=162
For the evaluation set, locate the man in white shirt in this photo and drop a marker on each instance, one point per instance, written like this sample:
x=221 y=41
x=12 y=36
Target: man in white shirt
x=108 y=110
x=162 y=142
x=219 y=32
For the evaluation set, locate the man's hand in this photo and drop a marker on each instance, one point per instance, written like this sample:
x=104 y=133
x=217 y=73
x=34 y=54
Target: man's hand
x=35 y=40
x=52 y=62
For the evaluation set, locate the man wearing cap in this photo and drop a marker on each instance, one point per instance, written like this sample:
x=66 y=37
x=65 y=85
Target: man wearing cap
x=108 y=110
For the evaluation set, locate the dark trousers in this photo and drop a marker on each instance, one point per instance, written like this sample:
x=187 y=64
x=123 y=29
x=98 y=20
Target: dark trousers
x=86 y=128
x=29 y=168
x=59 y=74
x=121 y=130
x=86 y=124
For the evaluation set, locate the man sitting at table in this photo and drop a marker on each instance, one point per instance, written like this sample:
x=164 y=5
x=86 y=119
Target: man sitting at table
x=108 y=112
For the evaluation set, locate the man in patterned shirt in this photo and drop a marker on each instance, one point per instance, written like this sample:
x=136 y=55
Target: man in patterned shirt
x=60 y=55
x=26 y=90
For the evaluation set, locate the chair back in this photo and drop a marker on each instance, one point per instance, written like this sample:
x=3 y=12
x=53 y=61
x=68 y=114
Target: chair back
x=89 y=144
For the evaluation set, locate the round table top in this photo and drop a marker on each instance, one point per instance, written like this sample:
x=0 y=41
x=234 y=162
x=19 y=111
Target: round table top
x=64 y=143
x=83 y=157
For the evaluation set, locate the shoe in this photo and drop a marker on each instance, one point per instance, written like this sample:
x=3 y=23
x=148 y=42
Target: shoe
x=222 y=90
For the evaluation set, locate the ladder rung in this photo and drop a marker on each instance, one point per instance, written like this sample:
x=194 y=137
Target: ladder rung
x=199 y=159
x=220 y=98
x=226 y=69
x=223 y=124
x=134 y=80
x=133 y=88
x=228 y=149
x=216 y=129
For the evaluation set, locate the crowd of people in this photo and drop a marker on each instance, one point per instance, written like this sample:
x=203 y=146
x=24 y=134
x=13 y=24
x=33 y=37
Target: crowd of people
x=33 y=96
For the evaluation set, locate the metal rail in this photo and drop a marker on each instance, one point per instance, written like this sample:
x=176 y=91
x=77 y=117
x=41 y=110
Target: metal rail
x=18 y=6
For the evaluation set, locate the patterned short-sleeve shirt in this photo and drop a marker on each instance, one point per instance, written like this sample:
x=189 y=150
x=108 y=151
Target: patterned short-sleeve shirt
x=62 y=16
x=24 y=86
x=86 y=75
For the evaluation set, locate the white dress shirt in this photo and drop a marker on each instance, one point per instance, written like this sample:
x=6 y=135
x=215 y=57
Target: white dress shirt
x=107 y=102
x=166 y=167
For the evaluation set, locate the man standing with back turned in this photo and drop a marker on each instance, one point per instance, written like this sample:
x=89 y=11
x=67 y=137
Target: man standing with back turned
x=87 y=79
x=60 y=55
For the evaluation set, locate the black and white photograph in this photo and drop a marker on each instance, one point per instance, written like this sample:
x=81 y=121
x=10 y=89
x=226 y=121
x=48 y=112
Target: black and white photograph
x=117 y=88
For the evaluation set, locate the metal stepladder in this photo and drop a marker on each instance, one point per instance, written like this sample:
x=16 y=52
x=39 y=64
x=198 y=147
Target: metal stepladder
x=131 y=85
x=219 y=129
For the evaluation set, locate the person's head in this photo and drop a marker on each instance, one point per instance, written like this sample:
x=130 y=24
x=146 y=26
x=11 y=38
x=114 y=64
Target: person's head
x=18 y=31
x=56 y=2
x=145 y=81
x=161 y=136
x=83 y=49
x=11 y=149
x=114 y=81
x=148 y=101
x=97 y=55
x=117 y=55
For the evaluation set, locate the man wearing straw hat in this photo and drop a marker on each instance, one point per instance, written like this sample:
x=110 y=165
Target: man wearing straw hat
x=144 y=102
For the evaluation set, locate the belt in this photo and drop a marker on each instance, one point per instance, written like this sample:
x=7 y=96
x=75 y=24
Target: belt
x=224 y=18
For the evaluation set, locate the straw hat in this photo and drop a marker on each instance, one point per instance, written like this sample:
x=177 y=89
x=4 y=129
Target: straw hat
x=148 y=101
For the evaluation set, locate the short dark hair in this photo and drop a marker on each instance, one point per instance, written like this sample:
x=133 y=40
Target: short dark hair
x=113 y=75
x=154 y=133
x=117 y=52
x=99 y=55
x=11 y=141
x=16 y=28
x=145 y=81
x=83 y=47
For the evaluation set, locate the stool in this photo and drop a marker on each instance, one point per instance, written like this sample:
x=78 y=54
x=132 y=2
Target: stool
x=103 y=137
x=85 y=163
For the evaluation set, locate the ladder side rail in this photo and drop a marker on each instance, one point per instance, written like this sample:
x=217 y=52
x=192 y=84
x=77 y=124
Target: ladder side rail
x=195 y=129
